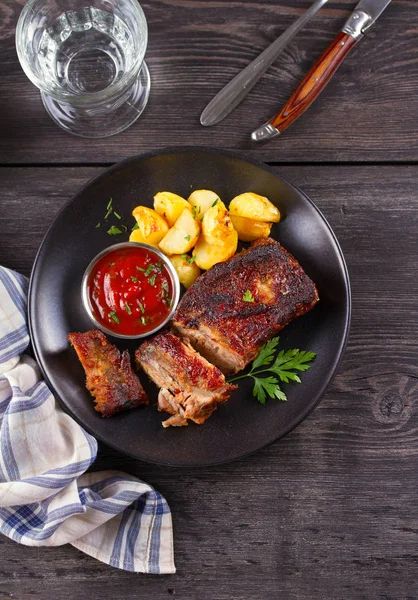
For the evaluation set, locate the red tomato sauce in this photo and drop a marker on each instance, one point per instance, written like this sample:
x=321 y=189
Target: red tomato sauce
x=130 y=291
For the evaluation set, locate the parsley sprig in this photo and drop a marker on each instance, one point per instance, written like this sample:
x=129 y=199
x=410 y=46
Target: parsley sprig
x=282 y=369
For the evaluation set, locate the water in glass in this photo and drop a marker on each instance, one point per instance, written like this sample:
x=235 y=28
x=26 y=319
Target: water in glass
x=85 y=50
x=88 y=62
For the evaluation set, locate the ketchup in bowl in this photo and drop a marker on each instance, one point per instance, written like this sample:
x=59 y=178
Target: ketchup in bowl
x=131 y=290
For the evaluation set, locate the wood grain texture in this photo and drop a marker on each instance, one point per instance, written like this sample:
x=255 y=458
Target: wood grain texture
x=367 y=113
x=314 y=82
x=329 y=512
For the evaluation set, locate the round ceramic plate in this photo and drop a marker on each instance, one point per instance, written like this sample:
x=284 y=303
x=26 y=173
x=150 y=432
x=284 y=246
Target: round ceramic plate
x=241 y=425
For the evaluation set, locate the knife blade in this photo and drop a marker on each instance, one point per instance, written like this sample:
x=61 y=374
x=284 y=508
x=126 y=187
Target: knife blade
x=235 y=91
x=361 y=19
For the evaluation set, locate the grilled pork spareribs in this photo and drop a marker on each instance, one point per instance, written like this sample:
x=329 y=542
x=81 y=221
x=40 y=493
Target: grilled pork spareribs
x=236 y=306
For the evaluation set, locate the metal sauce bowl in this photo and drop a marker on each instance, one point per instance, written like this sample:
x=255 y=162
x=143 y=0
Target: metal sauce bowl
x=158 y=254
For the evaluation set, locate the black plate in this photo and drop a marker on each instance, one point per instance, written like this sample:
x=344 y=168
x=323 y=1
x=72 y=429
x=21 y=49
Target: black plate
x=241 y=425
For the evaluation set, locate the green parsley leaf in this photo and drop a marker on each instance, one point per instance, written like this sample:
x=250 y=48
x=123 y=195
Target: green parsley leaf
x=152 y=279
x=141 y=307
x=187 y=238
x=266 y=354
x=194 y=212
x=113 y=316
x=134 y=279
x=291 y=360
x=97 y=226
x=248 y=297
x=215 y=203
x=108 y=208
x=169 y=301
x=165 y=287
x=114 y=230
x=128 y=308
x=140 y=269
x=143 y=321
x=189 y=259
x=149 y=270
x=285 y=376
x=267 y=386
x=282 y=369
x=117 y=215
x=294 y=359
x=135 y=227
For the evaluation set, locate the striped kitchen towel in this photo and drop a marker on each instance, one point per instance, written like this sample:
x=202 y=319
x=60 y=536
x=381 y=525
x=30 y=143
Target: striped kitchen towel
x=46 y=497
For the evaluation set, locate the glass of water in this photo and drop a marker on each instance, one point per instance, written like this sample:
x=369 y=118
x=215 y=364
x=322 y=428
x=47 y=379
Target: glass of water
x=87 y=58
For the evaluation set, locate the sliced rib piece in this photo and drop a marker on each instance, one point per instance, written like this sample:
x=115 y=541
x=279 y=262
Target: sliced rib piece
x=109 y=375
x=191 y=388
x=226 y=329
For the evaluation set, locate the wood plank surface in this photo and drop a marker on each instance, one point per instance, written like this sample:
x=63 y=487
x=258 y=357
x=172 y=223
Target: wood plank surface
x=329 y=512
x=368 y=112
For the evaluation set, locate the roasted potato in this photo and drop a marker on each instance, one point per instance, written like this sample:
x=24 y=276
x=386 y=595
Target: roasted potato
x=253 y=206
x=186 y=268
x=202 y=200
x=218 y=240
x=216 y=225
x=206 y=254
x=249 y=230
x=182 y=236
x=170 y=206
x=151 y=227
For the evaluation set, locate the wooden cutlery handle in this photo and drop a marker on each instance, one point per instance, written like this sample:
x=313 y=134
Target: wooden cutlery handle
x=315 y=81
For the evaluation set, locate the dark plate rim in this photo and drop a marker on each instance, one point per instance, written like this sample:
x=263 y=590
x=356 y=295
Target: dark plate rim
x=334 y=366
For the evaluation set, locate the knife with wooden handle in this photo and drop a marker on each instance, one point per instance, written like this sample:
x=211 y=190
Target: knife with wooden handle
x=235 y=91
x=363 y=17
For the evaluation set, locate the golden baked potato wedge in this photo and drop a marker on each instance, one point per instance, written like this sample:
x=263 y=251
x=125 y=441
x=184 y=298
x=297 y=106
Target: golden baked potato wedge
x=182 y=236
x=170 y=206
x=216 y=225
x=249 y=230
x=186 y=269
x=151 y=227
x=206 y=254
x=202 y=200
x=253 y=206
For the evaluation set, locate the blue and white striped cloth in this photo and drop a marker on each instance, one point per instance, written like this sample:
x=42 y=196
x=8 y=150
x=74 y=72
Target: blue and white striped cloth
x=46 y=498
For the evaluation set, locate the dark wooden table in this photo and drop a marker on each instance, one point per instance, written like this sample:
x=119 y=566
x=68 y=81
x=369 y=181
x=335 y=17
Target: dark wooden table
x=330 y=512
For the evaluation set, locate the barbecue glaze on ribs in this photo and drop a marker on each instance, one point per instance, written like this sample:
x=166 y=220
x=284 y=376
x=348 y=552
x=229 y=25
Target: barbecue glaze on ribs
x=109 y=375
x=226 y=329
x=191 y=387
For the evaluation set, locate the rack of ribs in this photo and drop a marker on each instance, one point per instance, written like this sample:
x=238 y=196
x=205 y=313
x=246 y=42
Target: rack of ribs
x=225 y=323
x=109 y=375
x=191 y=387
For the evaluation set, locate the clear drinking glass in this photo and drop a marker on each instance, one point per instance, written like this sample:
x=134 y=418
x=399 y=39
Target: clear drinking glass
x=87 y=58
